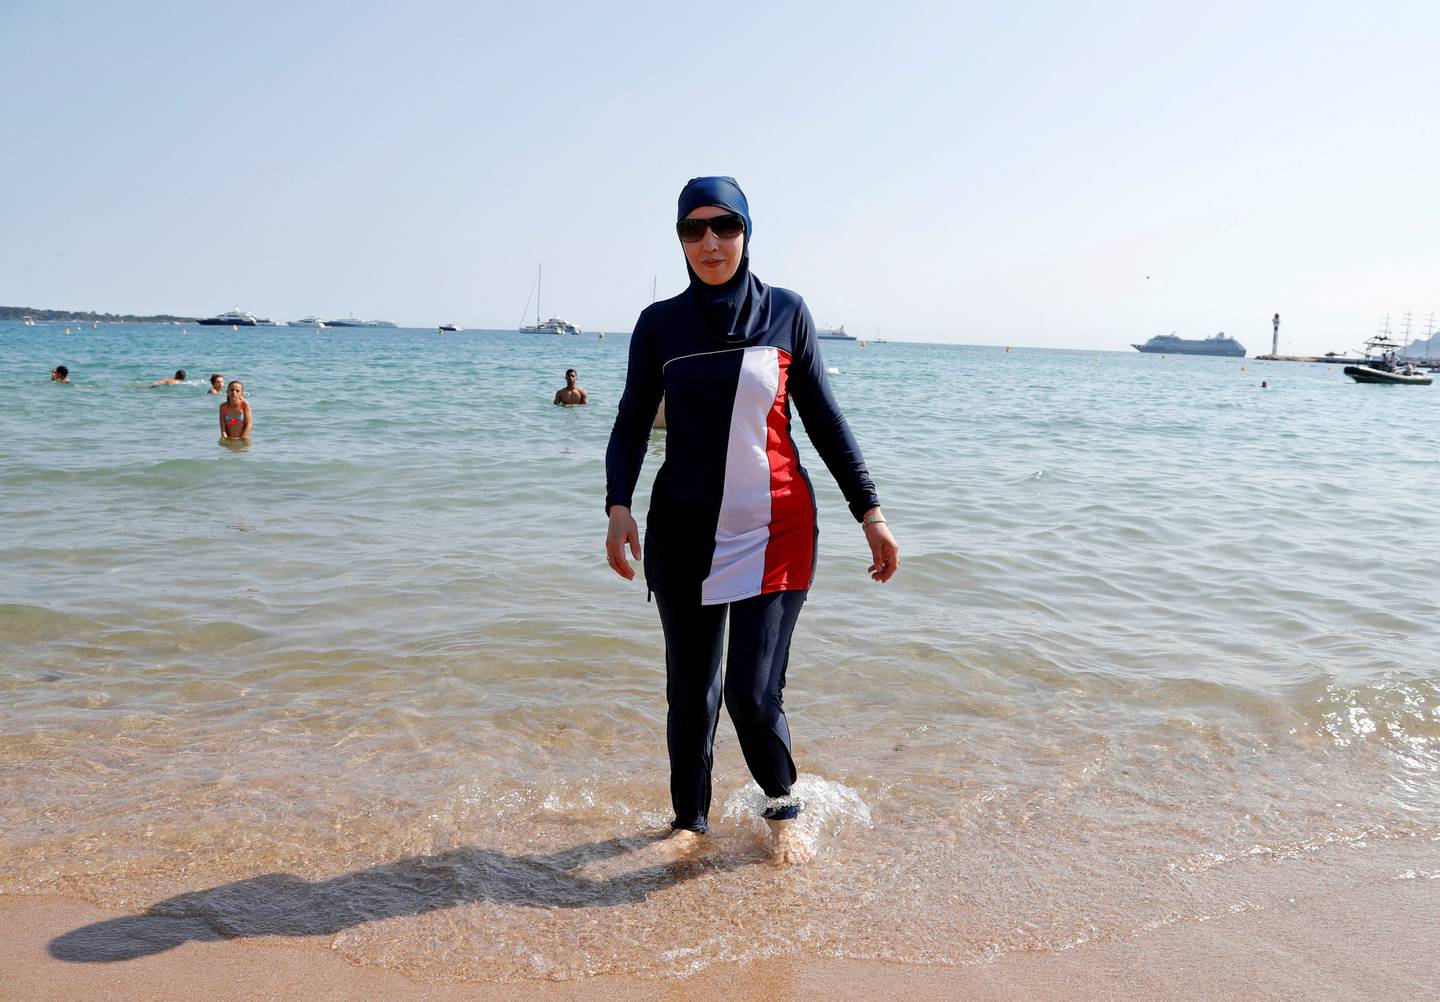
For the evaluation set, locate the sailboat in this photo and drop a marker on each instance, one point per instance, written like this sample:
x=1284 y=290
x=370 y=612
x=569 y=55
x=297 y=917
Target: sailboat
x=555 y=325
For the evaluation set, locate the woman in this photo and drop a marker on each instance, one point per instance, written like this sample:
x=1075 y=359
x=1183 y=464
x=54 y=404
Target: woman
x=732 y=515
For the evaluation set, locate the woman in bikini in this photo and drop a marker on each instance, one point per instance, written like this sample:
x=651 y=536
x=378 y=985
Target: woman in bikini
x=235 y=412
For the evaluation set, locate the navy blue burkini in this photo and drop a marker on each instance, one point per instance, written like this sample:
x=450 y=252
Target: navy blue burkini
x=732 y=514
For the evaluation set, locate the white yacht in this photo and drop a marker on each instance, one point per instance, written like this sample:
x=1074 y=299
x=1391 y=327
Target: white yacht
x=555 y=325
x=834 y=334
x=235 y=318
x=354 y=321
x=306 y=322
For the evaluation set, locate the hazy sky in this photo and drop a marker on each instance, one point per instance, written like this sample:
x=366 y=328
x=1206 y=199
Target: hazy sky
x=992 y=173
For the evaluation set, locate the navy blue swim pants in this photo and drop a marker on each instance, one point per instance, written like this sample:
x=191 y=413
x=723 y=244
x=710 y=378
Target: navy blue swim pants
x=754 y=680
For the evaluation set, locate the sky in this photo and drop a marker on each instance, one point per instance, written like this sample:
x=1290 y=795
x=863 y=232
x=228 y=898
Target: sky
x=1069 y=175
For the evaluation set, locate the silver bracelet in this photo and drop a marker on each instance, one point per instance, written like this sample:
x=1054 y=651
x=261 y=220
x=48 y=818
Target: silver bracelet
x=874 y=520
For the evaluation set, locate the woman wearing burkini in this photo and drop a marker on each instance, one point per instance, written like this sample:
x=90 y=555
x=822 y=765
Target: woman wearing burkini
x=732 y=514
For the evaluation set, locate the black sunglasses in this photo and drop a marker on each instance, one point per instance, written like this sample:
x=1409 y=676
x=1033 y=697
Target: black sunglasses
x=732 y=224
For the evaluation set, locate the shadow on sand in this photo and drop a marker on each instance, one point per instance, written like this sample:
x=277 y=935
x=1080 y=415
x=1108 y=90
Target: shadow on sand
x=280 y=904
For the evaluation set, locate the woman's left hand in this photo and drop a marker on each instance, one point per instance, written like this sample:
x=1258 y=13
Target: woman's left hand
x=883 y=550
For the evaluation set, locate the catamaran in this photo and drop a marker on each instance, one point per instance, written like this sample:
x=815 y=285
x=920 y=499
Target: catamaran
x=555 y=325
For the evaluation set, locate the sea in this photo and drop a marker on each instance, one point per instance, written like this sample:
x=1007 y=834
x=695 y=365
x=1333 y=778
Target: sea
x=1164 y=646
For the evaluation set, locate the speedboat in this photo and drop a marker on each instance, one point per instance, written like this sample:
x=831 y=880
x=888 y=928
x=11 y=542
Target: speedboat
x=449 y=327
x=1406 y=375
x=1383 y=365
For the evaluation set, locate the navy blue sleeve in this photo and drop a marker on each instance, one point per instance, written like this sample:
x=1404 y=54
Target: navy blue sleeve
x=826 y=426
x=634 y=419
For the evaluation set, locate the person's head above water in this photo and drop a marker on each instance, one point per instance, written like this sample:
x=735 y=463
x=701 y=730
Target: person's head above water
x=713 y=223
x=570 y=376
x=59 y=374
x=217 y=381
x=180 y=374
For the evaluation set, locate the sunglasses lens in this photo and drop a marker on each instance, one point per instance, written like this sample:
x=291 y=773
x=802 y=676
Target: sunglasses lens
x=724 y=227
x=729 y=226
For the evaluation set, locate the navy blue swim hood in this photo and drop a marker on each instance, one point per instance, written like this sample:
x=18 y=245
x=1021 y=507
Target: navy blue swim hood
x=721 y=191
x=741 y=307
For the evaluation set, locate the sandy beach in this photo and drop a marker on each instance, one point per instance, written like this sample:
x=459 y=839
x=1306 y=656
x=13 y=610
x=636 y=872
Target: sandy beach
x=1373 y=943
x=1089 y=746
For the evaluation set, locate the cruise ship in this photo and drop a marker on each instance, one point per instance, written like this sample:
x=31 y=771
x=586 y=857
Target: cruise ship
x=834 y=334
x=1169 y=344
x=235 y=318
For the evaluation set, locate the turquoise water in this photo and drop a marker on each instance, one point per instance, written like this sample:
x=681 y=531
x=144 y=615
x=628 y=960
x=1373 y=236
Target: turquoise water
x=1163 y=646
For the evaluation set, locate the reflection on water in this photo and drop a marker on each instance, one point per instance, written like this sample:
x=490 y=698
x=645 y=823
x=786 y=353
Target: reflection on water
x=375 y=684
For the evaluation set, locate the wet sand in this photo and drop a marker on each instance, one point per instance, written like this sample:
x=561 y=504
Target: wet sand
x=1370 y=943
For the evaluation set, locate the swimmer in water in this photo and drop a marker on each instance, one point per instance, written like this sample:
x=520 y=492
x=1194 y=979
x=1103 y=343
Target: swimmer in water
x=217 y=383
x=571 y=395
x=178 y=378
x=235 y=417
x=60 y=374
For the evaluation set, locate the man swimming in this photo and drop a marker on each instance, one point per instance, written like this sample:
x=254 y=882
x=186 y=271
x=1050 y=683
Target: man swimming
x=178 y=378
x=59 y=374
x=571 y=395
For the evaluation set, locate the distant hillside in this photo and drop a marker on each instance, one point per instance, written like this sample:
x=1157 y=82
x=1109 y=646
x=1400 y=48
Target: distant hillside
x=21 y=312
x=1423 y=347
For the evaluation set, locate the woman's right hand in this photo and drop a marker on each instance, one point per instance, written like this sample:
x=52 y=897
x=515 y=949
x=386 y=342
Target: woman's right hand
x=623 y=530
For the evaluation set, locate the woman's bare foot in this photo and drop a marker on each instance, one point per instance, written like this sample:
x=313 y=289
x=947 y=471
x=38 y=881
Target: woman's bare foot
x=678 y=844
x=787 y=843
x=658 y=849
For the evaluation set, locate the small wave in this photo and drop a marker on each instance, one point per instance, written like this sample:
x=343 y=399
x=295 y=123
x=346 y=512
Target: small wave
x=30 y=623
x=829 y=808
